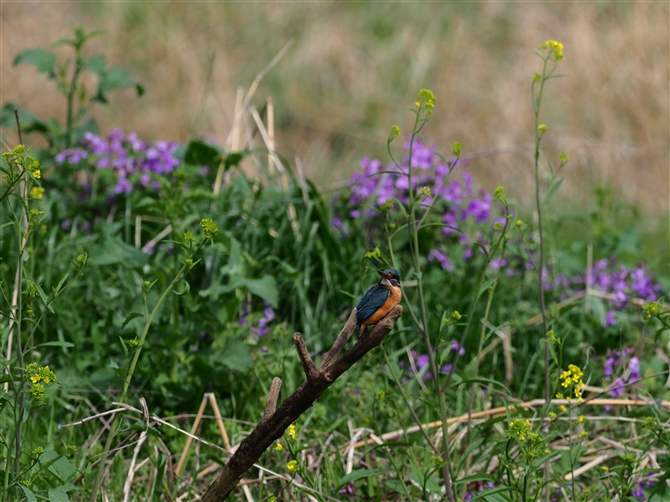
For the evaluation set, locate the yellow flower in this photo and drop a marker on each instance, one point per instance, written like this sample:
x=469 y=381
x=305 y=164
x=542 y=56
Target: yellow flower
x=37 y=173
x=556 y=48
x=37 y=192
x=552 y=415
x=581 y=419
x=562 y=407
x=35 y=378
x=291 y=431
x=279 y=447
x=292 y=466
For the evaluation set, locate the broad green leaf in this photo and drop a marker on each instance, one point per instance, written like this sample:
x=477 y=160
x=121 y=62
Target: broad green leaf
x=234 y=158
x=358 y=474
x=29 y=121
x=63 y=469
x=235 y=355
x=265 y=287
x=58 y=494
x=43 y=60
x=29 y=495
x=115 y=78
x=203 y=153
x=96 y=64
x=114 y=251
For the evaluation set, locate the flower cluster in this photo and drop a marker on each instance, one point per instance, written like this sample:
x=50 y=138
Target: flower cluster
x=39 y=376
x=376 y=187
x=622 y=282
x=519 y=429
x=572 y=377
x=261 y=328
x=134 y=161
x=631 y=371
x=654 y=309
x=555 y=47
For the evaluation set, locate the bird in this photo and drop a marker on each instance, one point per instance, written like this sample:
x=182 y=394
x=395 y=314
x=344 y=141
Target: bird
x=378 y=300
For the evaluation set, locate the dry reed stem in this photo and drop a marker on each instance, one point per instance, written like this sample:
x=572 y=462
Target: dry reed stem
x=189 y=439
x=535 y=403
x=131 y=470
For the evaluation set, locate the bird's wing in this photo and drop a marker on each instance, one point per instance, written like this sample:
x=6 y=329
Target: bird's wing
x=371 y=301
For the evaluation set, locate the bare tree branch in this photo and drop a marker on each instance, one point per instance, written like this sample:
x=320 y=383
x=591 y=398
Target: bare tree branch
x=273 y=424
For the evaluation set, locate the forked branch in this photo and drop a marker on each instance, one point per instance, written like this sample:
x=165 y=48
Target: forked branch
x=274 y=423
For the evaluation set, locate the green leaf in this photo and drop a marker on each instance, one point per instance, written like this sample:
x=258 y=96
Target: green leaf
x=553 y=190
x=114 y=251
x=61 y=282
x=58 y=494
x=29 y=121
x=130 y=317
x=265 y=287
x=486 y=285
x=63 y=470
x=158 y=483
x=203 y=153
x=235 y=355
x=115 y=78
x=488 y=381
x=29 y=495
x=358 y=474
x=96 y=64
x=43 y=60
x=182 y=287
x=43 y=296
x=56 y=344
x=475 y=477
x=233 y=159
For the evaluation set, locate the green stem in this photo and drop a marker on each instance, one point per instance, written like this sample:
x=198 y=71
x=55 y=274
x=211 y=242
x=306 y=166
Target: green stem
x=538 y=137
x=78 y=66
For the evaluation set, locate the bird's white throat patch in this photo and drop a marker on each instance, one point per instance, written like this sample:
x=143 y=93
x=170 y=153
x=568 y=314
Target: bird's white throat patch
x=386 y=282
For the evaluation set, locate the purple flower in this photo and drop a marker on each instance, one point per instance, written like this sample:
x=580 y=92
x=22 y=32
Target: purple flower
x=123 y=185
x=479 y=209
x=66 y=224
x=443 y=259
x=71 y=155
x=446 y=368
x=269 y=314
x=609 y=319
x=422 y=361
x=634 y=368
x=457 y=346
x=617 y=388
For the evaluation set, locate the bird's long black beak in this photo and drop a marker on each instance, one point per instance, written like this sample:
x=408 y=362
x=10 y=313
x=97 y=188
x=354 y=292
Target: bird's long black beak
x=381 y=272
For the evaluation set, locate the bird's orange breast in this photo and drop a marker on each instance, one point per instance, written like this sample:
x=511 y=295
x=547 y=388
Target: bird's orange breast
x=380 y=313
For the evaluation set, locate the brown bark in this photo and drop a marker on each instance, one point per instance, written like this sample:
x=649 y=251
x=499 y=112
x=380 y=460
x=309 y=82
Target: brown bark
x=274 y=423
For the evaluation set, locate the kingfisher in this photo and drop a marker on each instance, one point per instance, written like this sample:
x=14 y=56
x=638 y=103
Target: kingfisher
x=378 y=300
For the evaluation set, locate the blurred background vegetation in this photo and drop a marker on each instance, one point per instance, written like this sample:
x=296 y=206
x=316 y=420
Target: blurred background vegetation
x=337 y=90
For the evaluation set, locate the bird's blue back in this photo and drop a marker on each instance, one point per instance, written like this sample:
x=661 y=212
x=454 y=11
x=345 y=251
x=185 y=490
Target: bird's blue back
x=372 y=300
